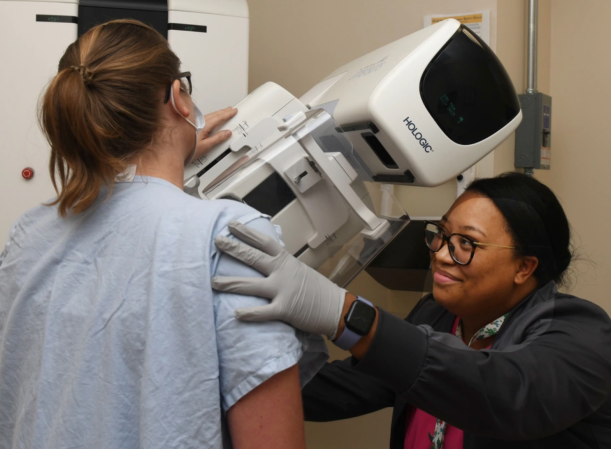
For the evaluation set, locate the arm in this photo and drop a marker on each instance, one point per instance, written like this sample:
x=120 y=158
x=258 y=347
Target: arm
x=361 y=348
x=3 y=254
x=269 y=416
x=555 y=375
x=259 y=376
x=8 y=243
x=339 y=392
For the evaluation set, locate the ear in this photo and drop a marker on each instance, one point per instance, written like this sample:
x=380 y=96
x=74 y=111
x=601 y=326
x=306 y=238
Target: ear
x=526 y=267
x=179 y=100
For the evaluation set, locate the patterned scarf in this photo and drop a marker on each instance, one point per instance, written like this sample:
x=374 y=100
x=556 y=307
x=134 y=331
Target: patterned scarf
x=490 y=330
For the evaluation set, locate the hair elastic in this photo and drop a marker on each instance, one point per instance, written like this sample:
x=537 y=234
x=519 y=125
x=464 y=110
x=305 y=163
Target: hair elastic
x=86 y=74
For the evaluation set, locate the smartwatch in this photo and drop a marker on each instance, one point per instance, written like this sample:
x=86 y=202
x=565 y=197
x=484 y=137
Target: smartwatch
x=358 y=322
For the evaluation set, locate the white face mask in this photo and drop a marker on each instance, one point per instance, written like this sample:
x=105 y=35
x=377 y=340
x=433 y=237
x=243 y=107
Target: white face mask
x=199 y=124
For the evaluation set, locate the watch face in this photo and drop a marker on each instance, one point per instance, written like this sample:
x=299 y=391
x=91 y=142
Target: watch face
x=360 y=318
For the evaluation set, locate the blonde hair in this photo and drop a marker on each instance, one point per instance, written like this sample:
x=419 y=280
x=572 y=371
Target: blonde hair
x=103 y=107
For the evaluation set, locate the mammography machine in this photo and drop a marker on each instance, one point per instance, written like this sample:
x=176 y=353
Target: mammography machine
x=418 y=111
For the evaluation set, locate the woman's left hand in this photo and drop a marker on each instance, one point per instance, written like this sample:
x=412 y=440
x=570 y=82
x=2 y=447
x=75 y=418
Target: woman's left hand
x=299 y=295
x=214 y=120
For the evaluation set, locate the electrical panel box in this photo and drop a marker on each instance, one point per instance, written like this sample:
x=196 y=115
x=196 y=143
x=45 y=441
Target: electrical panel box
x=534 y=135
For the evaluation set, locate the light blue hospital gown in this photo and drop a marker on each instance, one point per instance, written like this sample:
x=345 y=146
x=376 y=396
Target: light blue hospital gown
x=110 y=335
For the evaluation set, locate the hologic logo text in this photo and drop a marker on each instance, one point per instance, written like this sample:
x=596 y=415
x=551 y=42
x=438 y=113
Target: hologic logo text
x=418 y=135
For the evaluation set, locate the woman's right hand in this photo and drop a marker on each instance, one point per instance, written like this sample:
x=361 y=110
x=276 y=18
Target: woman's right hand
x=299 y=295
x=208 y=138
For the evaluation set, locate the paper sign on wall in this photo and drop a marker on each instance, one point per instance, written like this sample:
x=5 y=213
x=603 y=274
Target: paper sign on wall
x=478 y=22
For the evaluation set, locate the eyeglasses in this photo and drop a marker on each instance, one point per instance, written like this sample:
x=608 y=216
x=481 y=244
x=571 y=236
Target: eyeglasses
x=461 y=247
x=186 y=75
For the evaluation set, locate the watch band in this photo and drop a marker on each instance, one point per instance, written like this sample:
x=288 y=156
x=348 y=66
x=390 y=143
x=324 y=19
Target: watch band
x=349 y=338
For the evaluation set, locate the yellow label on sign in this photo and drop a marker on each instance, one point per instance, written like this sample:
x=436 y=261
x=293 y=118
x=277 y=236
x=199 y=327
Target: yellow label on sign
x=471 y=18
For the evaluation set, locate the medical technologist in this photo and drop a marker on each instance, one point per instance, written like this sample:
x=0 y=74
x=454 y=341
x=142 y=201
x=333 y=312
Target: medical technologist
x=495 y=357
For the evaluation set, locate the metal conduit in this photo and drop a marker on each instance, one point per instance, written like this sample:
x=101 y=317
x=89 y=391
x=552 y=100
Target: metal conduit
x=533 y=19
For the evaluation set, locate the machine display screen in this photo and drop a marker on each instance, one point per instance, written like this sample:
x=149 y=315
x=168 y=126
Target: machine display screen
x=56 y=18
x=467 y=91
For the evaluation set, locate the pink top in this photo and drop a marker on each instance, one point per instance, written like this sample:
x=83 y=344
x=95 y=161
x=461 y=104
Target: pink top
x=420 y=424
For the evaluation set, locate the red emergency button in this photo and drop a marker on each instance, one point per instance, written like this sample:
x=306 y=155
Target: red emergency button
x=27 y=173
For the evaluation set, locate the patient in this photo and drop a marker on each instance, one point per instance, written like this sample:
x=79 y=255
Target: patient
x=110 y=335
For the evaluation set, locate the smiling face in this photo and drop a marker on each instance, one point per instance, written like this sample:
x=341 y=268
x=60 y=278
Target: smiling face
x=496 y=279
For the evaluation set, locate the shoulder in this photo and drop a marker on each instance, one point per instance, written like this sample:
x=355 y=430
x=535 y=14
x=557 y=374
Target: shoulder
x=35 y=227
x=36 y=216
x=186 y=226
x=548 y=303
x=219 y=213
x=555 y=316
x=578 y=310
x=166 y=206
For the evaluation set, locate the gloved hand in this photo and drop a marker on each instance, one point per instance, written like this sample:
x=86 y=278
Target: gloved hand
x=300 y=296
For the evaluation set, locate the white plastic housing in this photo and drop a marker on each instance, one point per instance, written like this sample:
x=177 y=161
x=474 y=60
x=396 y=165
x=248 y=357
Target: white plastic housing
x=217 y=59
x=277 y=136
x=30 y=52
x=267 y=101
x=383 y=87
x=329 y=209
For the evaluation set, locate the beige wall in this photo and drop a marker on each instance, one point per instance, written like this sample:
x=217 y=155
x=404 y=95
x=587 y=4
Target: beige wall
x=581 y=159
x=297 y=43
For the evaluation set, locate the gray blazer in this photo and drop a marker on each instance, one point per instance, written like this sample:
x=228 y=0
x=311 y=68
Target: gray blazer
x=545 y=383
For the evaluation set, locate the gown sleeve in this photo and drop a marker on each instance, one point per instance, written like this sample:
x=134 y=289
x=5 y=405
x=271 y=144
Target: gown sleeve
x=251 y=353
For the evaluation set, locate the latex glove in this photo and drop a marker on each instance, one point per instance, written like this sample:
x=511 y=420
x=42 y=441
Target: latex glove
x=300 y=295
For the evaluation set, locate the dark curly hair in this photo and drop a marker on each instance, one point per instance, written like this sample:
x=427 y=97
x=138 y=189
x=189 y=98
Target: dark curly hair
x=535 y=219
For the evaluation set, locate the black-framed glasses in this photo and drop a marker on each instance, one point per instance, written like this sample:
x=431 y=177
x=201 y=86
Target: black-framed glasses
x=461 y=247
x=189 y=86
